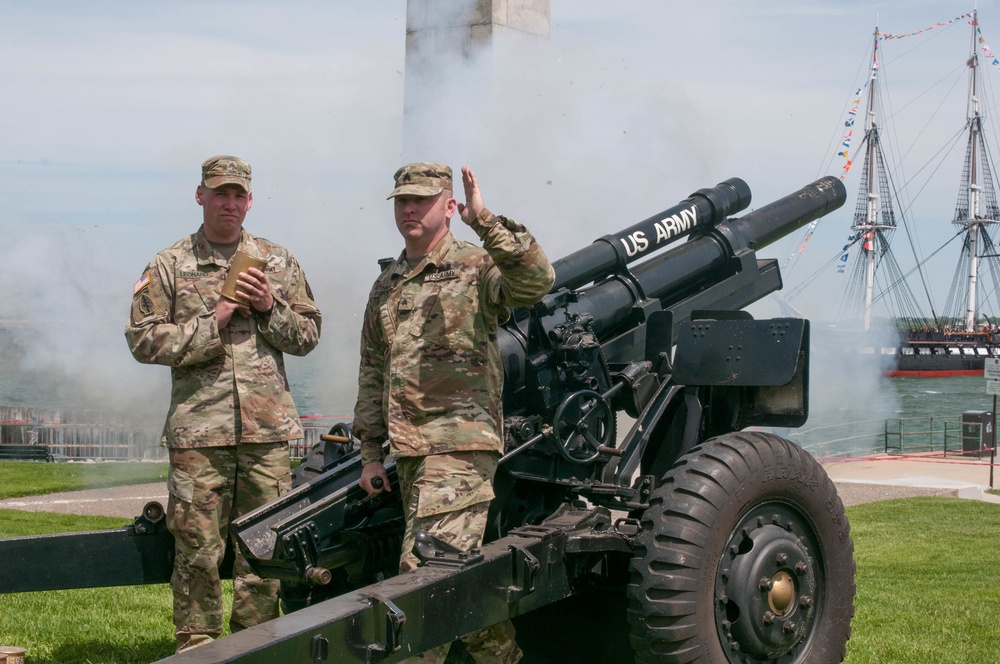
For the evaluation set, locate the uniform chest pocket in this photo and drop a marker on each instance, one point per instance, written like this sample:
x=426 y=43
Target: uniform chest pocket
x=194 y=296
x=445 y=315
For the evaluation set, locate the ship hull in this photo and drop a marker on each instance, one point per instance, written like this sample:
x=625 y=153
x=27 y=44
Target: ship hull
x=923 y=354
x=937 y=366
x=942 y=358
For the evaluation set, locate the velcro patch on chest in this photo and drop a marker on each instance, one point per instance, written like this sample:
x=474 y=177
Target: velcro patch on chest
x=442 y=275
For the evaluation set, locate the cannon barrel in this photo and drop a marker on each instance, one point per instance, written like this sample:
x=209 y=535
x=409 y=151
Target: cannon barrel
x=707 y=258
x=776 y=220
x=703 y=208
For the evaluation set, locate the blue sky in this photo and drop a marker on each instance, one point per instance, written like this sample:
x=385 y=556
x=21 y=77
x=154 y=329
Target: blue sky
x=627 y=108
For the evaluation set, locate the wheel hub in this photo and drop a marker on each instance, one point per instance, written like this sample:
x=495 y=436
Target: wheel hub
x=782 y=594
x=765 y=586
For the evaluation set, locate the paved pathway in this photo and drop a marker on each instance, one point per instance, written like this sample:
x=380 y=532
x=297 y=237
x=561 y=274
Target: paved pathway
x=123 y=501
x=883 y=477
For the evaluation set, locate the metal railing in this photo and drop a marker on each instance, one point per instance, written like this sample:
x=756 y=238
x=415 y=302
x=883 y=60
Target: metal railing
x=84 y=435
x=841 y=438
x=107 y=443
x=912 y=435
x=897 y=436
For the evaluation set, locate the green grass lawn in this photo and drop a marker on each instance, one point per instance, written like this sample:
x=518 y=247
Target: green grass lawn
x=128 y=624
x=32 y=478
x=87 y=626
x=926 y=589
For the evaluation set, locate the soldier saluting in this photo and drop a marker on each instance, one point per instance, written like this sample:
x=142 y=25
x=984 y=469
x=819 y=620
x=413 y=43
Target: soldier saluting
x=231 y=413
x=431 y=379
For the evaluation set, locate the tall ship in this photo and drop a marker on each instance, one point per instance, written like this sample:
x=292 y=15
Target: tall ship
x=879 y=313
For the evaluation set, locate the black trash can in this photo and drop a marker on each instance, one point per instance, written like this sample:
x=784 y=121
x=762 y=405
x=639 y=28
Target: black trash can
x=977 y=433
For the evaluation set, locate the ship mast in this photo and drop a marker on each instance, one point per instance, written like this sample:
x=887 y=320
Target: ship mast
x=977 y=275
x=867 y=224
x=876 y=278
x=973 y=221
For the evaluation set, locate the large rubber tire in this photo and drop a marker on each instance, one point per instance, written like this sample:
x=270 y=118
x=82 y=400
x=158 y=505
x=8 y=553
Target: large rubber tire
x=745 y=555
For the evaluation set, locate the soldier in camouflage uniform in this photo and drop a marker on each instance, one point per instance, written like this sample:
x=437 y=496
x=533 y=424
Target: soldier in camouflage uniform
x=431 y=378
x=231 y=413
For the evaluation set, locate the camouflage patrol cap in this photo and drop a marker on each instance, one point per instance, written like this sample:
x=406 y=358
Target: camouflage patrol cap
x=424 y=178
x=225 y=169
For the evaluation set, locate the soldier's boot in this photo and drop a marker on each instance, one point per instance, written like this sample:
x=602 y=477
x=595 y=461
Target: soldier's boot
x=189 y=641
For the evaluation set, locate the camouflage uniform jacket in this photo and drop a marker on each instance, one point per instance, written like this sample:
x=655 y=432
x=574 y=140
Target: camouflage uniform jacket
x=229 y=385
x=431 y=378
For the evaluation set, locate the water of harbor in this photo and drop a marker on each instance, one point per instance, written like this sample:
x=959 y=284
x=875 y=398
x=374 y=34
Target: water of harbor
x=930 y=405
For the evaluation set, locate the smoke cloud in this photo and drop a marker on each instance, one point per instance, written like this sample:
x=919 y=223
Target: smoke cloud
x=625 y=109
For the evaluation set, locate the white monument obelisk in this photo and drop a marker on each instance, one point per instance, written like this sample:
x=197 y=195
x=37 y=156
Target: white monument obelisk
x=451 y=49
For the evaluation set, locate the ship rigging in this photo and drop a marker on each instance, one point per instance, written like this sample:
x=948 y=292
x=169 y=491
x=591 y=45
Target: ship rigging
x=877 y=292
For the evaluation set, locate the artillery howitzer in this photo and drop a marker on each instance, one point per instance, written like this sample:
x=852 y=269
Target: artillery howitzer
x=726 y=545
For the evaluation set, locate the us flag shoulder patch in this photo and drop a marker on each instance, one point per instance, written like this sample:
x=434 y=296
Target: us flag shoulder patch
x=142 y=283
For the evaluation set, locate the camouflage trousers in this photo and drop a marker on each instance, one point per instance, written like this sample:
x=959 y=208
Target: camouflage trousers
x=209 y=487
x=448 y=495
